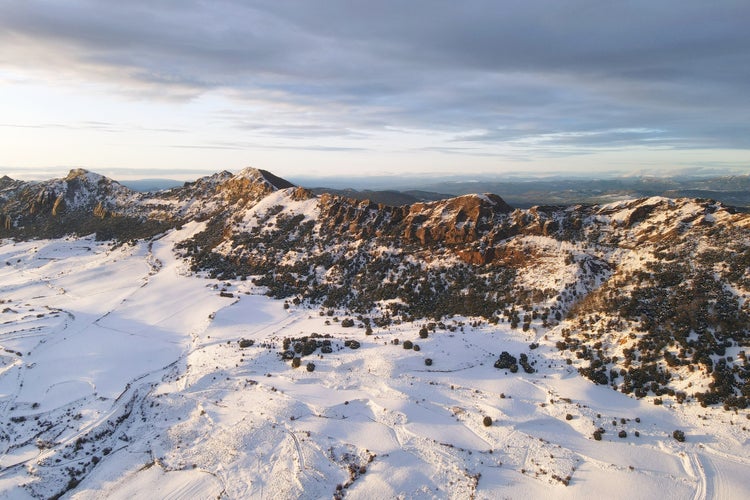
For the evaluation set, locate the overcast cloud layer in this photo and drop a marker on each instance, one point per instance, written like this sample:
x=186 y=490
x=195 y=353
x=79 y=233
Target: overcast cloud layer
x=512 y=80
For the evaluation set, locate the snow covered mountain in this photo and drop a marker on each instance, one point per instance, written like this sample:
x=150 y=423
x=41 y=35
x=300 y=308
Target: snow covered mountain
x=135 y=326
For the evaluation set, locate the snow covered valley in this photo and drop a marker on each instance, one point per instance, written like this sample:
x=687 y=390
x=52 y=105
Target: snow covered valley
x=123 y=375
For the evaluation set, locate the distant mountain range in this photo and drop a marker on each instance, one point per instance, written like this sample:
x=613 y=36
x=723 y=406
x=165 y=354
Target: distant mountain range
x=731 y=190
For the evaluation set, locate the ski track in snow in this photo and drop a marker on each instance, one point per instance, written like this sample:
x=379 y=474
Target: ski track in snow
x=694 y=468
x=126 y=352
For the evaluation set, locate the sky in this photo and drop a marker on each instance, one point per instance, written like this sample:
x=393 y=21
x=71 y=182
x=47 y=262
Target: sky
x=182 y=88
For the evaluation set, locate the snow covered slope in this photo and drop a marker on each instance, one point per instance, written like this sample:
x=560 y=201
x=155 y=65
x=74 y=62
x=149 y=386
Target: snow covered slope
x=125 y=376
x=648 y=296
x=240 y=337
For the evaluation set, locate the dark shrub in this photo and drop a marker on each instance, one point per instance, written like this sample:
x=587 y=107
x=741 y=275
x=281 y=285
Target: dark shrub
x=568 y=417
x=423 y=333
x=428 y=361
x=246 y=343
x=408 y=344
x=354 y=344
x=505 y=361
x=309 y=347
x=416 y=347
x=524 y=362
x=311 y=367
x=622 y=434
x=296 y=362
x=679 y=435
x=487 y=421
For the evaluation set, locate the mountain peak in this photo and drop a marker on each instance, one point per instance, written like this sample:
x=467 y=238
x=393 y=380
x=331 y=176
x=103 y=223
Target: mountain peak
x=76 y=173
x=88 y=177
x=259 y=175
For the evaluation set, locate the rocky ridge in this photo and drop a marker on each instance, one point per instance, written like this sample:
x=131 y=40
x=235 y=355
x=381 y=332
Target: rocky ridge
x=649 y=296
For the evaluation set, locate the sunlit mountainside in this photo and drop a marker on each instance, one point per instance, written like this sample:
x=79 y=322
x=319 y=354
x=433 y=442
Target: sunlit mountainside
x=240 y=336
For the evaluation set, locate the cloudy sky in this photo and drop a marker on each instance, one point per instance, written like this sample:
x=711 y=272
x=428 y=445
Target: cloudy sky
x=177 y=88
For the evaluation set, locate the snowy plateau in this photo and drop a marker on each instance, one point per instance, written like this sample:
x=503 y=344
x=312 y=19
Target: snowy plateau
x=223 y=340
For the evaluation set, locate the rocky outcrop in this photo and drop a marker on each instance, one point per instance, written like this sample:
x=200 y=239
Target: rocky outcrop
x=453 y=222
x=67 y=205
x=460 y=220
x=83 y=201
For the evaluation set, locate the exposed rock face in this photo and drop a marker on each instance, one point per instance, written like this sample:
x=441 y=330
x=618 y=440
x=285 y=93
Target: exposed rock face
x=358 y=219
x=452 y=222
x=67 y=205
x=458 y=220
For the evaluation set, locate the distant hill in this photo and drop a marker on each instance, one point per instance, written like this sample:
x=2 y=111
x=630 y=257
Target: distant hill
x=731 y=190
x=386 y=197
x=525 y=193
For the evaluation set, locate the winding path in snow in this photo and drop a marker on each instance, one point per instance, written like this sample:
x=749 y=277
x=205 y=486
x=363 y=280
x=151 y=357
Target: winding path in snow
x=694 y=468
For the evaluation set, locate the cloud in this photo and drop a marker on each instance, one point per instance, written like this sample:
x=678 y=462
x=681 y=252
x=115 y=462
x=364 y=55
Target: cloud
x=542 y=76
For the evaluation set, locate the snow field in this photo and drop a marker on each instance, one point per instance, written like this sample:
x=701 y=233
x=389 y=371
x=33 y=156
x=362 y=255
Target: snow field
x=136 y=363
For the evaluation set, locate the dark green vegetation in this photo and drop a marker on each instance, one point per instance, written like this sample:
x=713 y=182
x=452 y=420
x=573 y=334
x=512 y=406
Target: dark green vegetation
x=681 y=317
